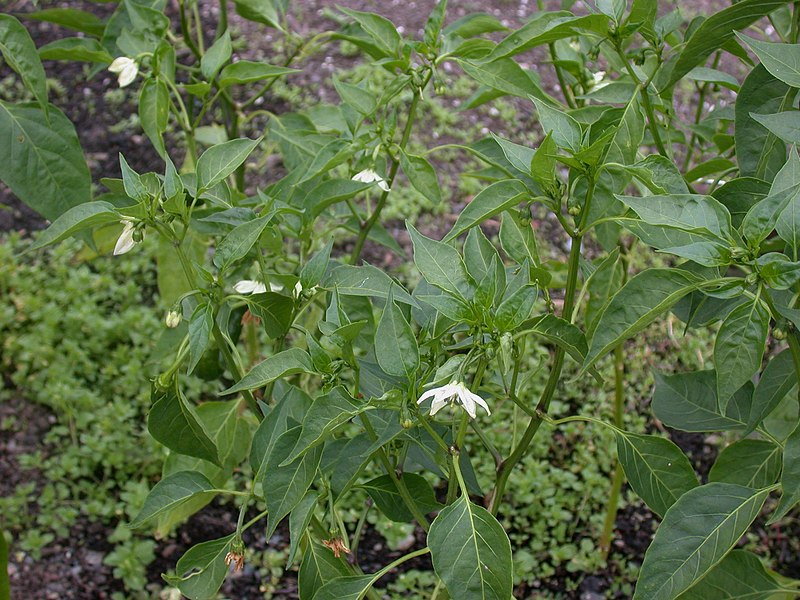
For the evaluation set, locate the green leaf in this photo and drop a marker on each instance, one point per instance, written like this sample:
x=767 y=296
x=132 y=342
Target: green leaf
x=490 y=202
x=686 y=212
x=219 y=161
x=365 y=280
x=565 y=130
x=785 y=125
x=739 y=347
x=386 y=496
x=239 y=241
x=545 y=28
x=284 y=486
x=740 y=576
x=326 y=414
x=635 y=306
x=246 y=71
x=360 y=99
x=657 y=470
x=718 y=29
x=781 y=60
x=758 y=152
x=299 y=520
x=688 y=401
x=285 y=363
x=422 y=176
x=202 y=570
x=471 y=552
x=441 y=265
x=506 y=76
x=312 y=272
x=20 y=54
x=331 y=192
x=217 y=55
x=559 y=332
x=696 y=534
x=154 y=112
x=171 y=492
x=77 y=49
x=514 y=309
x=173 y=422
x=76 y=219
x=751 y=463
x=761 y=219
x=200 y=326
x=42 y=160
x=135 y=187
x=71 y=18
x=777 y=380
x=519 y=156
x=318 y=567
x=395 y=343
x=229 y=428
x=274 y=310
x=518 y=240
x=350 y=587
x=602 y=284
x=790 y=477
x=261 y=11
x=172 y=279
x=380 y=29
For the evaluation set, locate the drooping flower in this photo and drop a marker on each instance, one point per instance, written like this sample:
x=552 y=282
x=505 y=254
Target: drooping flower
x=250 y=286
x=452 y=393
x=126 y=70
x=125 y=242
x=173 y=319
x=370 y=176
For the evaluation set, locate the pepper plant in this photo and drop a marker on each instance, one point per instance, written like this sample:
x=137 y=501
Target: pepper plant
x=337 y=379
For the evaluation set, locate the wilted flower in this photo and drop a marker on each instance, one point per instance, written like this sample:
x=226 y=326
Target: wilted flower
x=452 y=393
x=126 y=69
x=125 y=242
x=173 y=319
x=370 y=176
x=598 y=80
x=235 y=558
x=337 y=546
x=250 y=286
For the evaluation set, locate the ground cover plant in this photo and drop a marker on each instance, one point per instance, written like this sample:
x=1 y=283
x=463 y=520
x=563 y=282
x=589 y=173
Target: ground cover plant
x=414 y=391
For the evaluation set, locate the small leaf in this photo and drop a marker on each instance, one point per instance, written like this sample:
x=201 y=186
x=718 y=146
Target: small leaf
x=261 y=11
x=135 y=187
x=217 y=55
x=240 y=240
x=790 y=477
x=686 y=212
x=785 y=125
x=365 y=280
x=471 y=552
x=441 y=265
x=777 y=380
x=636 y=305
x=350 y=587
x=173 y=422
x=657 y=469
x=739 y=347
x=491 y=201
x=285 y=363
x=422 y=176
x=318 y=567
x=219 y=161
x=379 y=28
x=751 y=463
x=76 y=49
x=246 y=71
x=696 y=534
x=154 y=112
x=200 y=326
x=312 y=272
x=76 y=219
x=395 y=343
x=19 y=52
x=360 y=99
x=171 y=492
x=202 y=570
x=740 y=576
x=298 y=522
x=506 y=76
x=518 y=239
x=565 y=131
x=781 y=60
x=386 y=496
x=71 y=18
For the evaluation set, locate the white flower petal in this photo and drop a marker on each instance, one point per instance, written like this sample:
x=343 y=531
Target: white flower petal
x=128 y=75
x=125 y=242
x=249 y=286
x=120 y=64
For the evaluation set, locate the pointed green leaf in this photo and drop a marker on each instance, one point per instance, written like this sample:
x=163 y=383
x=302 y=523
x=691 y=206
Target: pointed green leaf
x=351 y=587
x=154 y=112
x=240 y=240
x=246 y=71
x=173 y=422
x=686 y=212
x=740 y=576
x=19 y=52
x=441 y=265
x=386 y=496
x=75 y=49
x=71 y=18
x=565 y=130
x=318 y=567
x=379 y=28
x=739 y=347
x=751 y=463
x=491 y=201
x=365 y=280
x=200 y=326
x=698 y=531
x=422 y=176
x=285 y=363
x=395 y=343
x=219 y=161
x=777 y=380
x=202 y=570
x=657 y=469
x=506 y=76
x=471 y=552
x=360 y=99
x=298 y=522
x=782 y=60
x=76 y=219
x=217 y=55
x=171 y=492
x=790 y=477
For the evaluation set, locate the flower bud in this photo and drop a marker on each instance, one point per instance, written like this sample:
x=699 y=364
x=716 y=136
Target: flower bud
x=173 y=319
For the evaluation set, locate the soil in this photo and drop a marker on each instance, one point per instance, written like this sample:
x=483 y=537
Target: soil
x=73 y=567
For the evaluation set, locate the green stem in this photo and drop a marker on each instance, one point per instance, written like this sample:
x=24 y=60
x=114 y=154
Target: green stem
x=570 y=99
x=222 y=24
x=398 y=481
x=187 y=36
x=370 y=223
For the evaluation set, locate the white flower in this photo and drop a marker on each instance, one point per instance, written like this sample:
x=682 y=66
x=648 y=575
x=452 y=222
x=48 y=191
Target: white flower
x=249 y=286
x=126 y=69
x=451 y=393
x=370 y=176
x=173 y=319
x=125 y=242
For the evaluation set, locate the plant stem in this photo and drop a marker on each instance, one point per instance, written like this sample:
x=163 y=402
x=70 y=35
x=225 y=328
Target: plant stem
x=370 y=223
x=505 y=468
x=398 y=482
x=560 y=75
